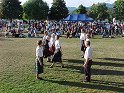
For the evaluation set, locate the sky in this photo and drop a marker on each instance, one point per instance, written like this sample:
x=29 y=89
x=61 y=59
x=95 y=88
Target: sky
x=76 y=3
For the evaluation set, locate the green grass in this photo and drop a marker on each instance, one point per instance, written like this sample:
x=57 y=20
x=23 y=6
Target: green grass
x=17 y=57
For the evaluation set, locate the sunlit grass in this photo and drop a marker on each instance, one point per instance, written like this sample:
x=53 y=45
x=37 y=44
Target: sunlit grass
x=17 y=57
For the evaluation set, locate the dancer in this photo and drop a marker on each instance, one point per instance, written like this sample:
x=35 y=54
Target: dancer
x=87 y=62
x=39 y=59
x=57 y=57
x=82 y=40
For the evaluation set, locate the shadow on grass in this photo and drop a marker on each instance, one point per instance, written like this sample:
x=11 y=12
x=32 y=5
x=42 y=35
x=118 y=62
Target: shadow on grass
x=98 y=63
x=74 y=61
x=112 y=59
x=108 y=64
x=95 y=71
x=96 y=85
x=107 y=72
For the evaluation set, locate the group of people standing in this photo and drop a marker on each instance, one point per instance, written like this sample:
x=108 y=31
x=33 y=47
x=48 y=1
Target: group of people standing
x=49 y=47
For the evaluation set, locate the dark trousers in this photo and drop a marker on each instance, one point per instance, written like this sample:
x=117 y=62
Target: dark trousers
x=87 y=71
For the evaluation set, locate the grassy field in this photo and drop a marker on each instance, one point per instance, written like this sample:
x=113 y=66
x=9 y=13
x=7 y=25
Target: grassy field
x=17 y=58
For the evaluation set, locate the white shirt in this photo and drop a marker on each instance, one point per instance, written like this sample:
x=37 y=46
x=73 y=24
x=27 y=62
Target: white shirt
x=83 y=36
x=39 y=52
x=45 y=37
x=88 y=53
x=57 y=44
x=87 y=39
x=52 y=41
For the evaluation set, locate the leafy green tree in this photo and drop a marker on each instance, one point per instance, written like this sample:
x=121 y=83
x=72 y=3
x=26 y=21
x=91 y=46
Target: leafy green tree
x=81 y=10
x=93 y=11
x=35 y=9
x=58 y=10
x=11 y=9
x=99 y=11
x=119 y=9
x=0 y=9
x=111 y=13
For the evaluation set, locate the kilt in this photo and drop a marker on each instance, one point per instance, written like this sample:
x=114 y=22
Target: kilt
x=38 y=67
x=82 y=45
x=57 y=57
x=46 y=52
x=46 y=49
x=52 y=50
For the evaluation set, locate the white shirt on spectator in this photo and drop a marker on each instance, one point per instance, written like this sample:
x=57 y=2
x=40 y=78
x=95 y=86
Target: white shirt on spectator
x=39 y=51
x=88 y=53
x=57 y=44
x=83 y=36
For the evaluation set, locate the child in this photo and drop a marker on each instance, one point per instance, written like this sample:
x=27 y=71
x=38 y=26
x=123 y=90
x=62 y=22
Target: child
x=39 y=59
x=57 y=57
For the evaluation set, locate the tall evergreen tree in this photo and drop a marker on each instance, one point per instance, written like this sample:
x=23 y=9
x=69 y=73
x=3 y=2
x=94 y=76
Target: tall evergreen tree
x=119 y=9
x=58 y=10
x=36 y=9
x=11 y=9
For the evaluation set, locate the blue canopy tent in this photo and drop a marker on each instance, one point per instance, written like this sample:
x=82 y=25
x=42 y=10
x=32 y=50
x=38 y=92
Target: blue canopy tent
x=78 y=17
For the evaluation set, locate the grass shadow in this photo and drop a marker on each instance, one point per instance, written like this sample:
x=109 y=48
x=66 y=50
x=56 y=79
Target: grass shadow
x=73 y=61
x=107 y=72
x=98 y=63
x=79 y=69
x=95 y=85
x=108 y=64
x=112 y=59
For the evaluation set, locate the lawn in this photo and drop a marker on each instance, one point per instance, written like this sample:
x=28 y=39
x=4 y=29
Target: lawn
x=17 y=58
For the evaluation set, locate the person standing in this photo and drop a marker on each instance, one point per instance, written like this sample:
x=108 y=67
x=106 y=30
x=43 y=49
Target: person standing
x=87 y=37
x=45 y=44
x=46 y=51
x=39 y=59
x=87 y=61
x=57 y=57
x=52 y=45
x=82 y=40
x=45 y=37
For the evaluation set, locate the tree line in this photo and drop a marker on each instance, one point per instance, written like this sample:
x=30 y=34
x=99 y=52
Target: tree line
x=39 y=10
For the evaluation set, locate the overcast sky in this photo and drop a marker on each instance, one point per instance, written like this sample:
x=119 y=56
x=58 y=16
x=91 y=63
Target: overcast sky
x=76 y=3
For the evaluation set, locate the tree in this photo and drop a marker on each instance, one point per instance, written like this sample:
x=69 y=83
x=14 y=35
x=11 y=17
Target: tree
x=35 y=9
x=99 y=11
x=81 y=10
x=0 y=9
x=58 y=10
x=111 y=13
x=11 y=9
x=119 y=9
